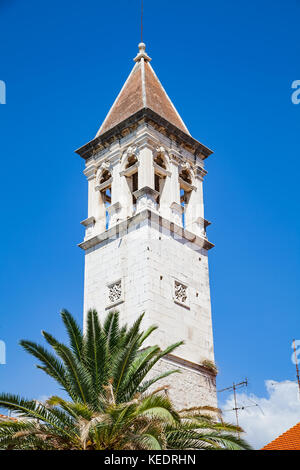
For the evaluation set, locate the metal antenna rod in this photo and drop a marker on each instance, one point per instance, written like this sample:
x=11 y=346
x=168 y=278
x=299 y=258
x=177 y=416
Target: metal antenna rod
x=142 y=11
x=297 y=367
x=243 y=407
x=235 y=405
x=234 y=387
x=239 y=385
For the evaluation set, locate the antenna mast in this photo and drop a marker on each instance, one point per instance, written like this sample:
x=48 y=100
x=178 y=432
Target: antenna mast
x=234 y=387
x=235 y=404
x=297 y=367
x=142 y=12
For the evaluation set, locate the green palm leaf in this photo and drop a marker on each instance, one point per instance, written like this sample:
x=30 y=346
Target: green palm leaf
x=74 y=333
x=78 y=376
x=51 y=365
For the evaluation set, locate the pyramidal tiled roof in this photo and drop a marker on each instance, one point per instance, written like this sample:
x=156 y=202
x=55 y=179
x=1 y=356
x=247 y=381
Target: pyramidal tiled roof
x=141 y=90
x=290 y=440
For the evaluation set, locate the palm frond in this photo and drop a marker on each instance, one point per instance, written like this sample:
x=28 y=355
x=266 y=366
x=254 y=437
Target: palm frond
x=78 y=377
x=148 y=383
x=74 y=333
x=51 y=365
x=97 y=359
x=34 y=410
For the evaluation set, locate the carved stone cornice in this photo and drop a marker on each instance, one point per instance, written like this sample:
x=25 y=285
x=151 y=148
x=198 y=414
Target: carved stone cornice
x=153 y=119
x=174 y=158
x=90 y=171
x=146 y=191
x=89 y=221
x=107 y=154
x=155 y=221
x=145 y=140
x=131 y=151
x=161 y=150
x=200 y=172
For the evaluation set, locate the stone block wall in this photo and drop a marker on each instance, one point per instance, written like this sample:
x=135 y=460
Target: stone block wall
x=187 y=388
x=151 y=264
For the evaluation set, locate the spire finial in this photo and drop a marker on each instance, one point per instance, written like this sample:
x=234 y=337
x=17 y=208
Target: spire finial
x=142 y=53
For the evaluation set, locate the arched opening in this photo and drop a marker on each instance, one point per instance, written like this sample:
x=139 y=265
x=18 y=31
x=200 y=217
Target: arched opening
x=131 y=160
x=185 y=175
x=105 y=176
x=160 y=173
x=130 y=166
x=133 y=183
x=159 y=185
x=160 y=161
x=106 y=195
x=132 y=176
x=185 y=181
x=104 y=186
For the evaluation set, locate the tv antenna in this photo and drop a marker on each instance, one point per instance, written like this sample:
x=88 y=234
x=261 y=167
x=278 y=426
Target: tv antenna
x=297 y=367
x=234 y=387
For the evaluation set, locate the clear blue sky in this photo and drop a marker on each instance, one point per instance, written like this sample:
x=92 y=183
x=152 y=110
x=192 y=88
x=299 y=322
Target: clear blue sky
x=228 y=66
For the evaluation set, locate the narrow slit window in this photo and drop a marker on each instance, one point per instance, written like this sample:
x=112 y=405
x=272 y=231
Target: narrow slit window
x=135 y=185
x=183 y=202
x=107 y=201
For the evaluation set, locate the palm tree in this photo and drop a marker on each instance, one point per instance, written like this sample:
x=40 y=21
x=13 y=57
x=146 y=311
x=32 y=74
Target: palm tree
x=60 y=424
x=110 y=405
x=147 y=422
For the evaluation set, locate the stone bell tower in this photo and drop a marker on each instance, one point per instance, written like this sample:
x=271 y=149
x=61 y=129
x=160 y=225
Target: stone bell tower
x=145 y=240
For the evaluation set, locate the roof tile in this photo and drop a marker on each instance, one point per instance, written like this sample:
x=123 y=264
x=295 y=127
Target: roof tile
x=290 y=440
x=142 y=89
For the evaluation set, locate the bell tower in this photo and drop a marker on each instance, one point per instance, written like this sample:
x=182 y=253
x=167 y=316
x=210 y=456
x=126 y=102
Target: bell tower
x=145 y=243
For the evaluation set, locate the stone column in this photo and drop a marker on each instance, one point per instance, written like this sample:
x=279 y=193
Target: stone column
x=176 y=208
x=100 y=212
x=95 y=223
x=194 y=212
x=165 y=186
x=164 y=200
x=146 y=168
x=126 y=202
x=118 y=202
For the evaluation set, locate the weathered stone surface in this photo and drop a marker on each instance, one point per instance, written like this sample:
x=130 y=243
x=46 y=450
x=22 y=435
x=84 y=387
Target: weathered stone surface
x=187 y=388
x=149 y=263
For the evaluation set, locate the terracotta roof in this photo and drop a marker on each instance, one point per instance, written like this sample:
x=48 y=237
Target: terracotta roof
x=141 y=90
x=290 y=440
x=7 y=418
